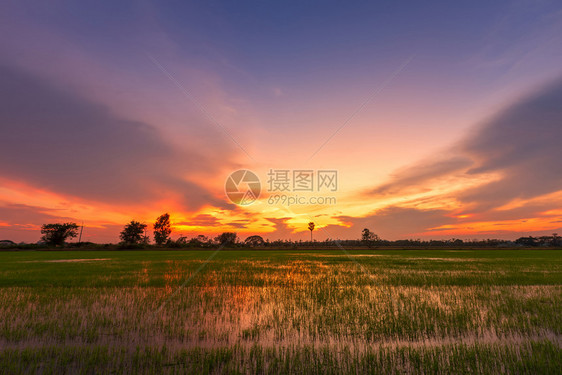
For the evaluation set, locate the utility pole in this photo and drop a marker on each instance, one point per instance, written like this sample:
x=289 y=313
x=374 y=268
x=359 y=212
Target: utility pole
x=81 y=229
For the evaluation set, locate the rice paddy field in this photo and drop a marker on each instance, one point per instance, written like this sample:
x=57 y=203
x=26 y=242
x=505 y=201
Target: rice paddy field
x=287 y=311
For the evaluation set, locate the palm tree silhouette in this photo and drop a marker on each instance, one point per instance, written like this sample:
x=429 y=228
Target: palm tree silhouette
x=311 y=226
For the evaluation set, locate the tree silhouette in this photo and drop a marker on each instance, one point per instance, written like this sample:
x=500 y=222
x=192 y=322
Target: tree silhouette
x=162 y=229
x=226 y=238
x=200 y=240
x=254 y=241
x=368 y=237
x=311 y=227
x=132 y=234
x=56 y=234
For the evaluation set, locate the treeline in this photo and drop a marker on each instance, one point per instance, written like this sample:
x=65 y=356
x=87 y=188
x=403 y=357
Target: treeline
x=134 y=235
x=231 y=240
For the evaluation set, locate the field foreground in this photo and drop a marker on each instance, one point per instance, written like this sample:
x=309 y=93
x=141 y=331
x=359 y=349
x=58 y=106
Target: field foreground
x=369 y=311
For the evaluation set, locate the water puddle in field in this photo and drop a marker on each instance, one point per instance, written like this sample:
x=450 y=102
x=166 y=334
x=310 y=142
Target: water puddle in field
x=67 y=260
x=343 y=255
x=449 y=259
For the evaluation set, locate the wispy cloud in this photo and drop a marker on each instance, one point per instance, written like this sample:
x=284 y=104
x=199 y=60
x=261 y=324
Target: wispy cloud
x=513 y=157
x=56 y=140
x=520 y=146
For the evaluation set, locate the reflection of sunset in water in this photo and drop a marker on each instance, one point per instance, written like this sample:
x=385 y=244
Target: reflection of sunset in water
x=310 y=302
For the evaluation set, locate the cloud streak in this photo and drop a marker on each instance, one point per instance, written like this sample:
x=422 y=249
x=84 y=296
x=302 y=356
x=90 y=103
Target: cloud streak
x=520 y=146
x=56 y=140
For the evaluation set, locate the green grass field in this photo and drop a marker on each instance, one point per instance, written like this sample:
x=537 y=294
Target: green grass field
x=375 y=311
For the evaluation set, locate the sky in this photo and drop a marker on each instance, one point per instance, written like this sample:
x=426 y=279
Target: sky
x=440 y=119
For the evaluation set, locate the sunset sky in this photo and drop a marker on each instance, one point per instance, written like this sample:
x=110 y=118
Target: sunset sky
x=442 y=119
